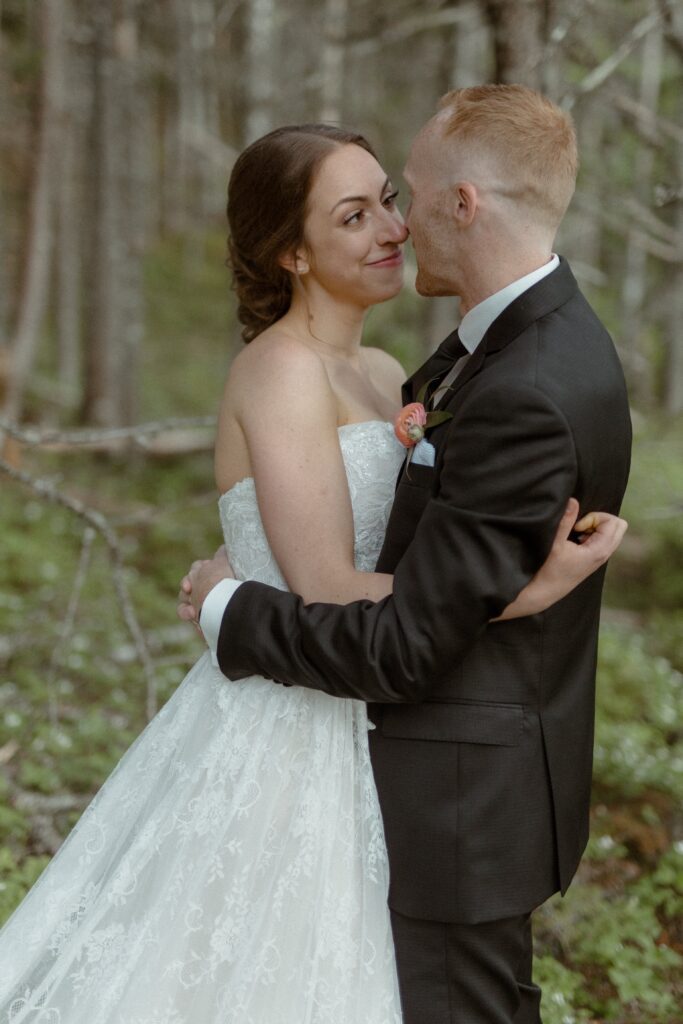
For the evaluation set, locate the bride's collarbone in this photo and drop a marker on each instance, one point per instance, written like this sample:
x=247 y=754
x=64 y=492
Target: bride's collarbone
x=363 y=403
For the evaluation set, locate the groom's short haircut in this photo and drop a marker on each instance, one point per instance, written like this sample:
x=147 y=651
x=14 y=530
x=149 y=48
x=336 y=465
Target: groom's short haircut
x=531 y=140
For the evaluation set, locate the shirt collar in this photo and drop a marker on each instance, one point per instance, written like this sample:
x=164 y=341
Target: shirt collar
x=477 y=320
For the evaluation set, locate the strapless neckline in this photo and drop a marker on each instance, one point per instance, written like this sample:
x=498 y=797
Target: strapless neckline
x=249 y=480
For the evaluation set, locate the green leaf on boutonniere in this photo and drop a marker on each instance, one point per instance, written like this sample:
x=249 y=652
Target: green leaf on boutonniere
x=420 y=396
x=435 y=418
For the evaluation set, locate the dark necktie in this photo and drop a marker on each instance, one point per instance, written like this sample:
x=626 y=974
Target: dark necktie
x=450 y=350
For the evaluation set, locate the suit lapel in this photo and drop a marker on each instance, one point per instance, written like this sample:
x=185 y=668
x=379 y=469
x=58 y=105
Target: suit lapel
x=430 y=369
x=541 y=299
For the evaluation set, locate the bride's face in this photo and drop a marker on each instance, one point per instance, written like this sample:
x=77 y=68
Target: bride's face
x=354 y=231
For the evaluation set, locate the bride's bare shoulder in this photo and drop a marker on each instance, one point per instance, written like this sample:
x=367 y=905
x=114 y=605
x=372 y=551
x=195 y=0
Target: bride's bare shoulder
x=274 y=365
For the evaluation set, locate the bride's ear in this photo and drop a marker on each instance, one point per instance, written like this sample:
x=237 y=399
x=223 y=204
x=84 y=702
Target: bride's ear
x=295 y=263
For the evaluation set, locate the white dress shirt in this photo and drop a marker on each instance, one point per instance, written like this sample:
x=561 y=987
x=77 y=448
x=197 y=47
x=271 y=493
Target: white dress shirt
x=473 y=327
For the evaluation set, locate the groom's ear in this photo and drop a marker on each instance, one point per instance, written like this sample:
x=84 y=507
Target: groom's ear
x=465 y=199
x=295 y=262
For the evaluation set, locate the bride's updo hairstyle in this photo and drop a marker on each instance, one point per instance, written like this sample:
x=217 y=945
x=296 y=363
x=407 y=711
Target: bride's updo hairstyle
x=267 y=205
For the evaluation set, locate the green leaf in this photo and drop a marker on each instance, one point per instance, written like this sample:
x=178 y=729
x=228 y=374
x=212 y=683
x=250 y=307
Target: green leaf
x=420 y=397
x=435 y=418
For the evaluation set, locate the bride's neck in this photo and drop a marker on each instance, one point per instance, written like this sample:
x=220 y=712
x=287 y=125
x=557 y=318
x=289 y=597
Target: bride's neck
x=332 y=327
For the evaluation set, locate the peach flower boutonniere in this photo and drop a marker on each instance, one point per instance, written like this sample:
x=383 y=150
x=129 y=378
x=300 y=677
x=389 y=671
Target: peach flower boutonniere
x=412 y=422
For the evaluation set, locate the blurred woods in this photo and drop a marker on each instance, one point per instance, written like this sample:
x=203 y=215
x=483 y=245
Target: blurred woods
x=119 y=122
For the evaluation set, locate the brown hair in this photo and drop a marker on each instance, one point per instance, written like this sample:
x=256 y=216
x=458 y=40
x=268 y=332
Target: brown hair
x=267 y=197
x=528 y=135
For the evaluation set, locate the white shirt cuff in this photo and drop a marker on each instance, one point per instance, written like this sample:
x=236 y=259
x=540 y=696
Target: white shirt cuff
x=213 y=610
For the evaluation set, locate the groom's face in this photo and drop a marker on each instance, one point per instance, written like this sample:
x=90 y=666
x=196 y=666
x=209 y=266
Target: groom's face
x=428 y=217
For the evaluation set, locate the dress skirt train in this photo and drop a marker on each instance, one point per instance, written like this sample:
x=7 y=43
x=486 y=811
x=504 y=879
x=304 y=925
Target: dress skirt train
x=232 y=870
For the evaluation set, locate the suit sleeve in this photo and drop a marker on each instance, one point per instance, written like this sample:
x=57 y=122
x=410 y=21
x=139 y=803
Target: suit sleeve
x=509 y=469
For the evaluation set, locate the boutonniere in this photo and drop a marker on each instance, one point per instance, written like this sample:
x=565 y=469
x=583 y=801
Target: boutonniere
x=412 y=422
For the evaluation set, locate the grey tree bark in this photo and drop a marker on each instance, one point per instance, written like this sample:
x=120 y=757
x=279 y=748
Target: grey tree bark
x=472 y=48
x=36 y=278
x=673 y=324
x=100 y=405
x=197 y=121
x=583 y=228
x=74 y=117
x=114 y=323
x=332 y=60
x=518 y=28
x=261 y=68
x=635 y=277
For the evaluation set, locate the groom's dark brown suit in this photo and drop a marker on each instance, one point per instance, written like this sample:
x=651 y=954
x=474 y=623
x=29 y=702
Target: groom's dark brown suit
x=483 y=746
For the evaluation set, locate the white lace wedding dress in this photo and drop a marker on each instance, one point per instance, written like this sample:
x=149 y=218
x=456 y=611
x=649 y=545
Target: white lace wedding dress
x=232 y=869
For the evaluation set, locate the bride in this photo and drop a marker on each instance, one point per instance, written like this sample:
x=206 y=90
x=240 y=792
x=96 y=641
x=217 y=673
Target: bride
x=232 y=869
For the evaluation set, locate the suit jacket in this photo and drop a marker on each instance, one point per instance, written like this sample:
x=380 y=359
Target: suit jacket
x=482 y=751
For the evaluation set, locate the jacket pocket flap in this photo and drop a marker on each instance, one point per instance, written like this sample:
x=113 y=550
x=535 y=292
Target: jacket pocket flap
x=497 y=724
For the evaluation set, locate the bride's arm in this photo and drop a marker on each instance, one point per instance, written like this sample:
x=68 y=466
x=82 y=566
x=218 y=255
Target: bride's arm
x=288 y=413
x=568 y=563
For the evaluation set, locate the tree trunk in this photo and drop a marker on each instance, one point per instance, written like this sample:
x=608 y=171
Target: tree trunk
x=4 y=277
x=518 y=33
x=36 y=280
x=100 y=351
x=587 y=229
x=197 y=120
x=673 y=384
x=133 y=174
x=332 y=92
x=4 y=249
x=261 y=73
x=471 y=53
x=634 y=283
x=118 y=221
x=68 y=264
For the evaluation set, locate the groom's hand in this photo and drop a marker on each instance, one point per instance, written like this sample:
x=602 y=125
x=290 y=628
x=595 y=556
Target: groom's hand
x=200 y=580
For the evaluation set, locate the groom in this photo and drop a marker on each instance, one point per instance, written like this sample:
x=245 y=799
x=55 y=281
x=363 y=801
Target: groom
x=484 y=731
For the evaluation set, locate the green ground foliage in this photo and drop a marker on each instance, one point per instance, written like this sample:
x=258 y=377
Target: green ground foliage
x=70 y=705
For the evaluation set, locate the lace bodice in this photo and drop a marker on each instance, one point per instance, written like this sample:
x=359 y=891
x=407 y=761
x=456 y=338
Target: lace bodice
x=372 y=458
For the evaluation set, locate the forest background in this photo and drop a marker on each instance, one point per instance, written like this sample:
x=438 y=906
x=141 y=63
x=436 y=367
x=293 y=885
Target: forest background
x=119 y=122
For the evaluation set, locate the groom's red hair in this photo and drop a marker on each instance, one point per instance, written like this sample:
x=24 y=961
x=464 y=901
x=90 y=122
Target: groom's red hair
x=532 y=141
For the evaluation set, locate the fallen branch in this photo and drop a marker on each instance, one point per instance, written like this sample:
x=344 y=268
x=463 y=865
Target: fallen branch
x=46 y=490
x=69 y=620
x=116 y=438
x=41 y=810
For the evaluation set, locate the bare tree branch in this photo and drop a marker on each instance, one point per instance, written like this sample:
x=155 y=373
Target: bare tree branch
x=41 y=810
x=649 y=220
x=55 y=803
x=69 y=620
x=665 y=194
x=616 y=221
x=560 y=31
x=656 y=124
x=115 y=438
x=410 y=26
x=594 y=79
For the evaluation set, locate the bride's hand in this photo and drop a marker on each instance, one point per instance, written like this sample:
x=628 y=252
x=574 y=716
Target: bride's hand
x=203 y=575
x=568 y=563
